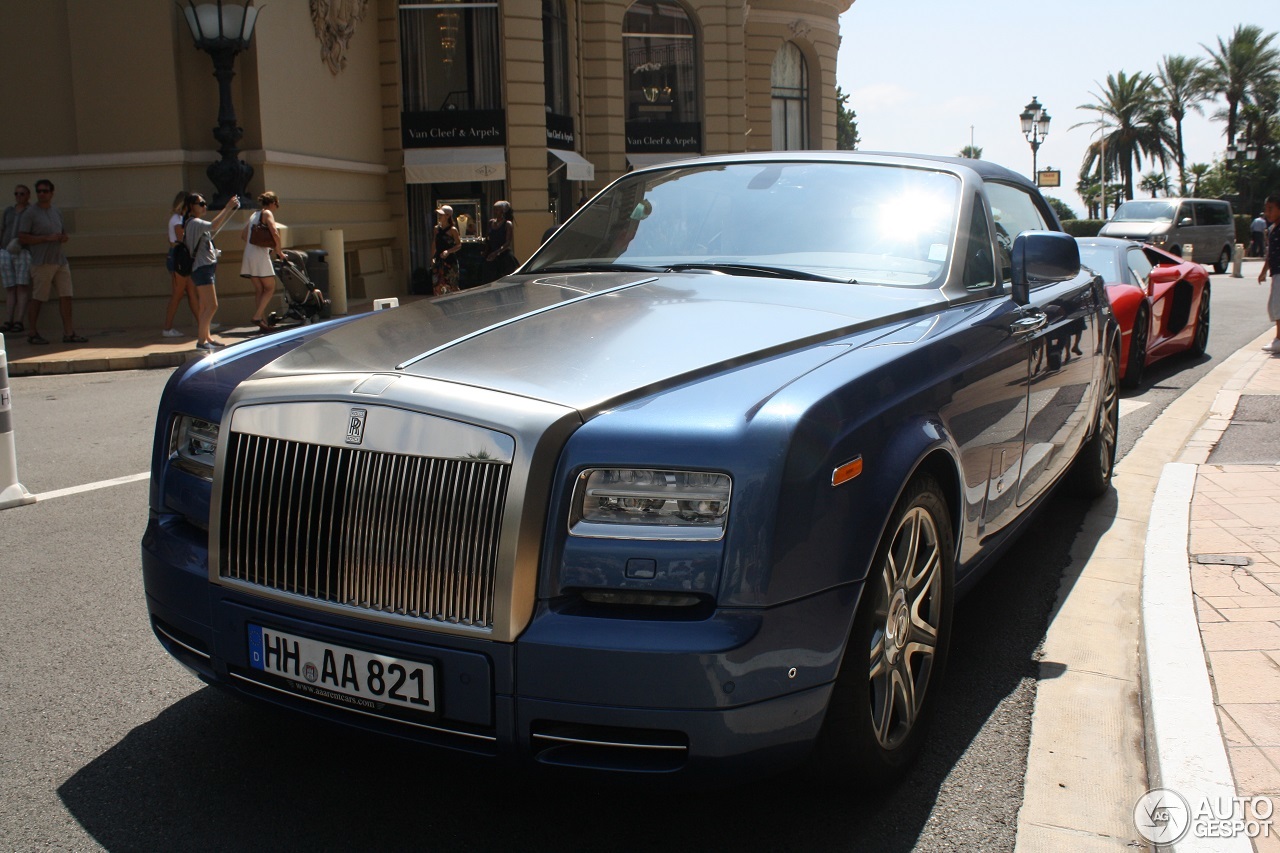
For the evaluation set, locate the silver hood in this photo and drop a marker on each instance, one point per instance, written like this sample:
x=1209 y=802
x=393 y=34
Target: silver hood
x=589 y=340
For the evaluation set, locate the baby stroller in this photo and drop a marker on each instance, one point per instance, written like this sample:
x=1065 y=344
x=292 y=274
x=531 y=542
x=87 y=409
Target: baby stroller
x=304 y=302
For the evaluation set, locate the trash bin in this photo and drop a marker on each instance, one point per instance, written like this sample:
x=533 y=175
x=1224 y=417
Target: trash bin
x=318 y=269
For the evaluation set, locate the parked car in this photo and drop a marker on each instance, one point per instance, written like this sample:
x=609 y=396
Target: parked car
x=1160 y=301
x=1172 y=223
x=694 y=490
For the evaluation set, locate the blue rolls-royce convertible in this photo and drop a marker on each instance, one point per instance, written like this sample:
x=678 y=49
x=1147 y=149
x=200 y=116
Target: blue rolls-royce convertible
x=693 y=490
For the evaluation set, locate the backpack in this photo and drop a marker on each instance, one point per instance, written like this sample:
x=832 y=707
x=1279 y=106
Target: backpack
x=183 y=262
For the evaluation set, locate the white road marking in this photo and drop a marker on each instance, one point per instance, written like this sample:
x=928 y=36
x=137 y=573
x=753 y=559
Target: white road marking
x=1128 y=407
x=89 y=487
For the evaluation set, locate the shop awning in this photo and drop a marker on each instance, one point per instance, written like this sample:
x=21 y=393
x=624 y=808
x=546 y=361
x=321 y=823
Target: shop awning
x=454 y=165
x=639 y=161
x=577 y=167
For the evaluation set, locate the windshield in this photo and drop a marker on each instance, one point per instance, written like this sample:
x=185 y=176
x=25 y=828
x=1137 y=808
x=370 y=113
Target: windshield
x=1144 y=211
x=1100 y=260
x=847 y=222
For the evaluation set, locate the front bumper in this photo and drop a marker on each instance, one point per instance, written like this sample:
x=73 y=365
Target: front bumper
x=739 y=691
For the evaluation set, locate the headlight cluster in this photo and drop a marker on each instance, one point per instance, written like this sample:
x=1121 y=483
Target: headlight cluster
x=193 y=445
x=641 y=503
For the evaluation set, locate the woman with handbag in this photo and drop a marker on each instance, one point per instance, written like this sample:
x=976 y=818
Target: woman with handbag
x=262 y=240
x=445 y=242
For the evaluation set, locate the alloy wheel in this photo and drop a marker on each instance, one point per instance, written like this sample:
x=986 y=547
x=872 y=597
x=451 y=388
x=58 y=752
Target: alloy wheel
x=907 y=623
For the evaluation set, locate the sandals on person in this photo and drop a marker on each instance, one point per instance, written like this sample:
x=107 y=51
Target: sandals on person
x=16 y=328
x=37 y=340
x=74 y=339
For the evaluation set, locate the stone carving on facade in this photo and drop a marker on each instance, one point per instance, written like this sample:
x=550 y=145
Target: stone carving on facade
x=800 y=29
x=335 y=22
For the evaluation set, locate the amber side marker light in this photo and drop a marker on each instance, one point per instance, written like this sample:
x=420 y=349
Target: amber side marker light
x=846 y=472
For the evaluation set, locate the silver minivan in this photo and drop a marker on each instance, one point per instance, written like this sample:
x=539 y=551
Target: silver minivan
x=1172 y=223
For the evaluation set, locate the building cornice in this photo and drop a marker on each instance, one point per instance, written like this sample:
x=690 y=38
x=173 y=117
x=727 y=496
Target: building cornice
x=182 y=157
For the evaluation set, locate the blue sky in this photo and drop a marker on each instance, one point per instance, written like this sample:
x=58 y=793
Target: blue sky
x=925 y=74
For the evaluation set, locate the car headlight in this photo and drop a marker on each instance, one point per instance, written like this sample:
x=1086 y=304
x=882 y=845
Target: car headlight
x=193 y=445
x=643 y=503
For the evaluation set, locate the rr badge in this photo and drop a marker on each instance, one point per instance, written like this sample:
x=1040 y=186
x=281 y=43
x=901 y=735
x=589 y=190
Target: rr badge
x=355 y=426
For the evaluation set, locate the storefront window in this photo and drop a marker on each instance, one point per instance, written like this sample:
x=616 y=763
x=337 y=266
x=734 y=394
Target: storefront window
x=660 y=55
x=555 y=56
x=449 y=56
x=790 y=82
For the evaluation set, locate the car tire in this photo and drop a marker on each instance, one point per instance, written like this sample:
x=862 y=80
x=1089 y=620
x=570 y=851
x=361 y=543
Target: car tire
x=887 y=688
x=1223 y=261
x=1090 y=474
x=1138 y=339
x=1200 y=343
x=1175 y=250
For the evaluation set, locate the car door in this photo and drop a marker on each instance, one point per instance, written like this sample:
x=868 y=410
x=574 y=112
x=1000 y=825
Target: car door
x=1059 y=331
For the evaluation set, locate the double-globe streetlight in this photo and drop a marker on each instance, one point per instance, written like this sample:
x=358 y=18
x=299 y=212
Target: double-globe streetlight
x=1035 y=127
x=222 y=31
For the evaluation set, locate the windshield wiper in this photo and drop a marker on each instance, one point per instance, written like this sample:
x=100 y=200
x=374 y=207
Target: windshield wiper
x=761 y=269
x=572 y=266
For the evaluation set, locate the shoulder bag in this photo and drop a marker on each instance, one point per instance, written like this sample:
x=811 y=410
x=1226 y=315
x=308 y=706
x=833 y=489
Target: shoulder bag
x=260 y=233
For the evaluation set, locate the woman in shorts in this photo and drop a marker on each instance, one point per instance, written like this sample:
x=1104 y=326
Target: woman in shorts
x=198 y=234
x=181 y=284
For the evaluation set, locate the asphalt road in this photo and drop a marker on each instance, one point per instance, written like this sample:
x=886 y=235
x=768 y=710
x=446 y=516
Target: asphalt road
x=105 y=742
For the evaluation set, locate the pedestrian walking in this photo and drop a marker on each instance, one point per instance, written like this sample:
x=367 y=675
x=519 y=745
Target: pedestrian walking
x=15 y=261
x=41 y=230
x=198 y=234
x=180 y=284
x=261 y=241
x=445 y=242
x=1271 y=266
x=1257 y=235
x=499 y=248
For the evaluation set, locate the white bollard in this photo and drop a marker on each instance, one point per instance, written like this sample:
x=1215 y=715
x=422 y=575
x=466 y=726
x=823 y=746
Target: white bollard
x=1188 y=252
x=12 y=493
x=1237 y=260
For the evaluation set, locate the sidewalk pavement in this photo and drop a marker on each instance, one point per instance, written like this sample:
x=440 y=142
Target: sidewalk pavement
x=125 y=348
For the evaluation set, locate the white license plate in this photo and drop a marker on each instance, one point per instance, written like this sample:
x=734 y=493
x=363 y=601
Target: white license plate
x=337 y=673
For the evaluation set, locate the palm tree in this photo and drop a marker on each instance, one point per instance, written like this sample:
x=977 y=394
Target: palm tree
x=1183 y=86
x=1198 y=172
x=1154 y=183
x=1129 y=109
x=971 y=152
x=1241 y=67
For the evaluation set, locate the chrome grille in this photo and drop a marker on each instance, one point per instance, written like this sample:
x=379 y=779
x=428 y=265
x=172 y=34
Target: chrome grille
x=406 y=535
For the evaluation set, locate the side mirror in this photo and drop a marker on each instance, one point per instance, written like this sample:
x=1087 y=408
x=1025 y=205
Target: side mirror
x=1184 y=222
x=1042 y=256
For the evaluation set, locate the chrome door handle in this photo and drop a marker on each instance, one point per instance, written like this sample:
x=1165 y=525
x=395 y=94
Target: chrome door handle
x=1029 y=324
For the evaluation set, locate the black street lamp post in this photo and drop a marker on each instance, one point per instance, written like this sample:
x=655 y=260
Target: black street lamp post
x=222 y=32
x=1035 y=126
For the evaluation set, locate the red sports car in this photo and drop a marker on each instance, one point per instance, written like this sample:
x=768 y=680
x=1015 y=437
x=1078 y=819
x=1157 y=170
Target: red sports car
x=1160 y=301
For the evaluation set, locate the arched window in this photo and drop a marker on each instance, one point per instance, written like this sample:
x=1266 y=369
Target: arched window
x=790 y=82
x=661 y=64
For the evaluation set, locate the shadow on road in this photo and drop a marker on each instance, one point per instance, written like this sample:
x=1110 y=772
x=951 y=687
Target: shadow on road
x=211 y=772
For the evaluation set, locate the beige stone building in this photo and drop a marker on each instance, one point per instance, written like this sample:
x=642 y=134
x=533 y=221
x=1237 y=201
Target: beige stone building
x=364 y=115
